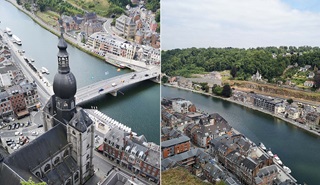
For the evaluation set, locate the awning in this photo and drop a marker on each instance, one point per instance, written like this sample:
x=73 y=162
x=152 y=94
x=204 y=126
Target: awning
x=22 y=113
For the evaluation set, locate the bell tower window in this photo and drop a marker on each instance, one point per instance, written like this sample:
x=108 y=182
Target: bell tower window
x=63 y=62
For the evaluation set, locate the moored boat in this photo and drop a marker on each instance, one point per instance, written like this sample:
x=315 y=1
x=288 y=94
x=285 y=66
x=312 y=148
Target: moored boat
x=8 y=31
x=44 y=70
x=261 y=145
x=16 y=40
x=270 y=153
x=286 y=169
x=277 y=159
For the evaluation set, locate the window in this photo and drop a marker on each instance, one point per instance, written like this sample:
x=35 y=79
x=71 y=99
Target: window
x=56 y=161
x=88 y=156
x=68 y=182
x=47 y=168
x=76 y=176
x=38 y=174
x=66 y=153
x=87 y=166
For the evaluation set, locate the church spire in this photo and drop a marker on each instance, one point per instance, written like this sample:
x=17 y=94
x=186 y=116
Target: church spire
x=63 y=56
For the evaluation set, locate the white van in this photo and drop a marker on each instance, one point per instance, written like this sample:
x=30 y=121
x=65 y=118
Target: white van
x=114 y=84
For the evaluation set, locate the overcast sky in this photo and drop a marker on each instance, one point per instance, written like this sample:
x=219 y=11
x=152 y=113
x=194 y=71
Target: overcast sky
x=239 y=23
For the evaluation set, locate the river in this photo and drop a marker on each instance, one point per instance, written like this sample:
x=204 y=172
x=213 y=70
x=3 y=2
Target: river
x=138 y=106
x=297 y=149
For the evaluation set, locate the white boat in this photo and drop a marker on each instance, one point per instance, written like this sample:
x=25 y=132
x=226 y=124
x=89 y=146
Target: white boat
x=261 y=145
x=286 y=169
x=270 y=153
x=16 y=40
x=8 y=31
x=44 y=70
x=277 y=159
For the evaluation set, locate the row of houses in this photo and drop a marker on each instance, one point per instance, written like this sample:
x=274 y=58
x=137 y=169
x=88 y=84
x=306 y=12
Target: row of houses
x=106 y=43
x=133 y=152
x=18 y=96
x=299 y=112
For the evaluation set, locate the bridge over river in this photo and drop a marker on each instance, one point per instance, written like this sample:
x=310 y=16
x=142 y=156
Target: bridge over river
x=112 y=85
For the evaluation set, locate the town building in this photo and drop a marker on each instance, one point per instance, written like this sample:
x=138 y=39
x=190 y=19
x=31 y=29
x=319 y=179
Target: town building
x=108 y=44
x=175 y=146
x=126 y=26
x=266 y=103
x=133 y=152
x=183 y=106
x=63 y=154
x=257 y=76
x=208 y=128
x=313 y=120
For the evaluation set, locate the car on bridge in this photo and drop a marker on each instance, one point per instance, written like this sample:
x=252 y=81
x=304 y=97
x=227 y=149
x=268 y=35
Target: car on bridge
x=146 y=75
x=100 y=90
x=114 y=84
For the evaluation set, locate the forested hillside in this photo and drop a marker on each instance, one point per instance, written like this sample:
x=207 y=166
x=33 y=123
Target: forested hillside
x=243 y=63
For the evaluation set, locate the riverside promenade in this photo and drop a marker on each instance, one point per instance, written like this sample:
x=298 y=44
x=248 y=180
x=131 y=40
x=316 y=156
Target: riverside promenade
x=292 y=122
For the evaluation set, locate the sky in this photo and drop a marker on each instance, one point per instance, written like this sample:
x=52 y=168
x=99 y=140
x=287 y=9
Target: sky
x=239 y=23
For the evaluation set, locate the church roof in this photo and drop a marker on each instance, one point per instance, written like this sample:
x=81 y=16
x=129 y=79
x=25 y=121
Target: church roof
x=80 y=121
x=61 y=172
x=37 y=151
x=7 y=175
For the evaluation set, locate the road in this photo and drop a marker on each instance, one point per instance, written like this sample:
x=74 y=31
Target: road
x=114 y=84
x=43 y=91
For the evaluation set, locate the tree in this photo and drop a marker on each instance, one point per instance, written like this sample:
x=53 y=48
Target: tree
x=217 y=90
x=233 y=72
x=226 y=91
x=157 y=18
x=31 y=182
x=164 y=79
x=290 y=101
x=221 y=183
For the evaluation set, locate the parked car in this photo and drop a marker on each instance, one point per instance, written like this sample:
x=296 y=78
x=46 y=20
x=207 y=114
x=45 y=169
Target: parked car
x=35 y=133
x=6 y=120
x=18 y=133
x=100 y=90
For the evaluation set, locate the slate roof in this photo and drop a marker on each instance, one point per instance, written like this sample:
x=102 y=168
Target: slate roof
x=7 y=175
x=249 y=163
x=61 y=172
x=196 y=152
x=174 y=141
x=4 y=95
x=37 y=151
x=116 y=137
x=80 y=121
x=266 y=171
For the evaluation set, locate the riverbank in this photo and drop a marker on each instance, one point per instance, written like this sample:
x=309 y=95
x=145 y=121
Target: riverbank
x=301 y=126
x=44 y=25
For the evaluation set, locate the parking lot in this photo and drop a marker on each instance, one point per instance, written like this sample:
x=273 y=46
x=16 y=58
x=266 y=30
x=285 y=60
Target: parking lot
x=17 y=133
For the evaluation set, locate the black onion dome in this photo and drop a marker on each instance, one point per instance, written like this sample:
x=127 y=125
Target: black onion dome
x=64 y=85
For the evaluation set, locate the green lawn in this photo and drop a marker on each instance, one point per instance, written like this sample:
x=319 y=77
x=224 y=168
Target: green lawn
x=180 y=176
x=98 y=6
x=48 y=17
